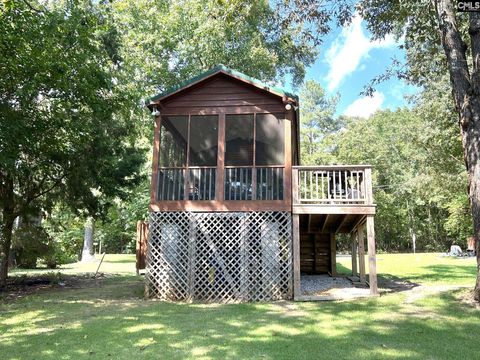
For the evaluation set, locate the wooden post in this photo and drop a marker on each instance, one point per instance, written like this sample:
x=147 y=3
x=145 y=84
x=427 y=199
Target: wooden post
x=287 y=175
x=368 y=186
x=191 y=258
x=138 y=246
x=296 y=257
x=219 y=185
x=333 y=254
x=156 y=149
x=295 y=188
x=353 y=237
x=361 y=253
x=372 y=261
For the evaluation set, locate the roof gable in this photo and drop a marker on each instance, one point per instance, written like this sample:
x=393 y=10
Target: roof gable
x=229 y=72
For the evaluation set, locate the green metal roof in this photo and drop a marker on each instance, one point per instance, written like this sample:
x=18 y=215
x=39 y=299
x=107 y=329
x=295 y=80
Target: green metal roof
x=223 y=69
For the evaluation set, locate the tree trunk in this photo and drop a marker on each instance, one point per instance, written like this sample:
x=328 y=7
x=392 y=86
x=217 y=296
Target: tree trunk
x=6 y=241
x=87 y=252
x=471 y=145
x=6 y=226
x=471 y=140
x=466 y=94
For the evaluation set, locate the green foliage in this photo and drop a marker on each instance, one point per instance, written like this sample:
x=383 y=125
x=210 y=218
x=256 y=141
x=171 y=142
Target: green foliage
x=419 y=174
x=31 y=242
x=317 y=122
x=117 y=230
x=415 y=192
x=63 y=133
x=66 y=229
x=164 y=43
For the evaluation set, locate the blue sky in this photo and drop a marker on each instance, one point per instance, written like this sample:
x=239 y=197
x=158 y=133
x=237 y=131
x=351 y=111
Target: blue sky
x=348 y=60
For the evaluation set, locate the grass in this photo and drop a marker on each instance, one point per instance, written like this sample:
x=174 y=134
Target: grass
x=109 y=319
x=424 y=268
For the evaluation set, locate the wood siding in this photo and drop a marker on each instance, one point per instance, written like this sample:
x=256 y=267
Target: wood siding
x=222 y=92
x=315 y=253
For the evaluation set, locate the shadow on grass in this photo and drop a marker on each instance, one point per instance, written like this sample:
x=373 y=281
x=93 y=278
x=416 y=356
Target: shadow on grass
x=112 y=320
x=442 y=272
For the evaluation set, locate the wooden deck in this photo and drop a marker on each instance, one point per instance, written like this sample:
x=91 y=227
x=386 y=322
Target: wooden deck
x=328 y=200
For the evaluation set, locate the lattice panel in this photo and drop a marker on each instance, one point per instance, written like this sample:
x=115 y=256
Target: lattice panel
x=220 y=257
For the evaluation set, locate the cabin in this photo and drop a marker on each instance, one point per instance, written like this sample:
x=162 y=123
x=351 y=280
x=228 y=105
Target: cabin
x=234 y=216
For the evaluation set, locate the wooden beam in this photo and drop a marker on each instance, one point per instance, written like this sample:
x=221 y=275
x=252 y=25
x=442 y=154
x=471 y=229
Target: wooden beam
x=360 y=220
x=324 y=226
x=333 y=209
x=361 y=253
x=219 y=185
x=340 y=225
x=368 y=186
x=296 y=257
x=156 y=148
x=313 y=241
x=333 y=254
x=287 y=175
x=221 y=206
x=295 y=186
x=353 y=237
x=372 y=261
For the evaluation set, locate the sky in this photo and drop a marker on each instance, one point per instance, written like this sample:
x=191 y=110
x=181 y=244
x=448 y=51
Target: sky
x=348 y=60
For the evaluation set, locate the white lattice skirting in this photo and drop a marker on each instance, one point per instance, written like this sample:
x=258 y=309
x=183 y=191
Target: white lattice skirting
x=220 y=257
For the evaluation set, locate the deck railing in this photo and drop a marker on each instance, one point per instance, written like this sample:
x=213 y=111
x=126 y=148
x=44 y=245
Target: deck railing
x=334 y=184
x=199 y=184
x=240 y=183
x=259 y=183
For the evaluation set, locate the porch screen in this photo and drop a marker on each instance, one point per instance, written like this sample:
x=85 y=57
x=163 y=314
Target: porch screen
x=254 y=156
x=187 y=157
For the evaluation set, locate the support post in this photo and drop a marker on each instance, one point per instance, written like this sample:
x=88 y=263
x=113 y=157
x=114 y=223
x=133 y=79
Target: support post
x=361 y=253
x=333 y=254
x=372 y=260
x=353 y=237
x=296 y=257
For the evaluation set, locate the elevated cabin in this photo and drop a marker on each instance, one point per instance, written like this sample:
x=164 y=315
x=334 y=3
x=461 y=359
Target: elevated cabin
x=233 y=217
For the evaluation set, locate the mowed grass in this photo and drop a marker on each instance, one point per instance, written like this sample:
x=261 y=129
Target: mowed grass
x=423 y=268
x=109 y=319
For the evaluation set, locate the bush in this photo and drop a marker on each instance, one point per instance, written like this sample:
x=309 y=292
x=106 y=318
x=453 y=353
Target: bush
x=31 y=242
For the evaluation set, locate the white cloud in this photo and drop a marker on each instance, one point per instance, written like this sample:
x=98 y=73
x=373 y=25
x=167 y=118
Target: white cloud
x=365 y=106
x=348 y=50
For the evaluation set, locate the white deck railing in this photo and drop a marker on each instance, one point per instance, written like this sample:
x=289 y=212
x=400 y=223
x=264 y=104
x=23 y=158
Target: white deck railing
x=333 y=184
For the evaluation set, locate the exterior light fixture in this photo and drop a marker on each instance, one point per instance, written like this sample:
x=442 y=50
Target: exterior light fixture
x=155 y=112
x=288 y=107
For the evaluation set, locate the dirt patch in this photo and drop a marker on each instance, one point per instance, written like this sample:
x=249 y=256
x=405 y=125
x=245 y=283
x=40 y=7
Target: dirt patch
x=20 y=286
x=466 y=298
x=424 y=291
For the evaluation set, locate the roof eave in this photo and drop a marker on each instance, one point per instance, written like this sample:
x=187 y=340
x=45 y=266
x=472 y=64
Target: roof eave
x=221 y=69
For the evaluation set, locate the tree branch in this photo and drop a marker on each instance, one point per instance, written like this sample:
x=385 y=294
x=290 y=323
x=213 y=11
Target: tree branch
x=31 y=7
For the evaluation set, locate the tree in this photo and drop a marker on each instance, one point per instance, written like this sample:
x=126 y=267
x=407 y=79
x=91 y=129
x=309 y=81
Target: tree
x=437 y=40
x=317 y=121
x=434 y=31
x=415 y=195
x=60 y=137
x=165 y=43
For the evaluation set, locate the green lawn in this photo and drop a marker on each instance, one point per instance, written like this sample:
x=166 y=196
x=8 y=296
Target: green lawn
x=109 y=319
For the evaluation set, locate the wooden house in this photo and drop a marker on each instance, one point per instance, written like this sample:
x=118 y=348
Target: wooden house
x=233 y=214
